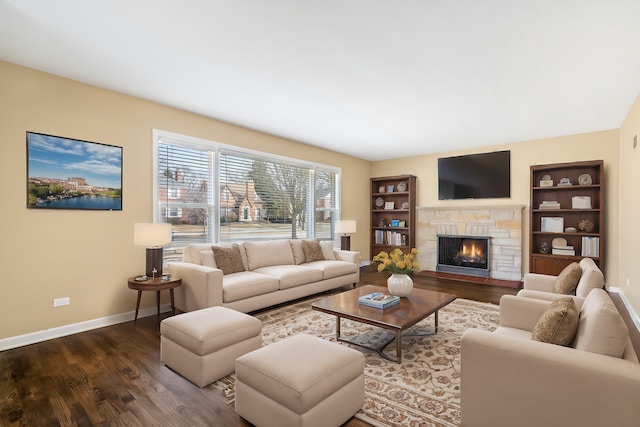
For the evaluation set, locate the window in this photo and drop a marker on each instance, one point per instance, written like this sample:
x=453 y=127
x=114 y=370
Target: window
x=173 y=192
x=212 y=192
x=174 y=213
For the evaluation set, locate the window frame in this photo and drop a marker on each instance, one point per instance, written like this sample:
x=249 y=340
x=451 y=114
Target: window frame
x=216 y=150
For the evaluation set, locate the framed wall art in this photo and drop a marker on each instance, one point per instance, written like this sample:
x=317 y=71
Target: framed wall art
x=66 y=173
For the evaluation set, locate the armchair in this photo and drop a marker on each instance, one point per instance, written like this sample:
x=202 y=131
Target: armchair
x=541 y=286
x=508 y=379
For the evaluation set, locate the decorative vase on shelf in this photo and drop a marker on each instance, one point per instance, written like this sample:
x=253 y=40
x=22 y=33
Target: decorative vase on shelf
x=399 y=285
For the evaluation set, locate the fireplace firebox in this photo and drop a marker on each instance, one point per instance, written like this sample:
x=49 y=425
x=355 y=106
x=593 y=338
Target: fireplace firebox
x=468 y=255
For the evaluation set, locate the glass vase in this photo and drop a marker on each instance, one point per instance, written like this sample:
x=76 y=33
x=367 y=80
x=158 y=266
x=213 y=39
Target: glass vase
x=399 y=285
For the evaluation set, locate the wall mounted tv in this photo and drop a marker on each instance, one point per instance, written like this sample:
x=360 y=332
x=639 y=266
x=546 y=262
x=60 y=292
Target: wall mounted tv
x=475 y=176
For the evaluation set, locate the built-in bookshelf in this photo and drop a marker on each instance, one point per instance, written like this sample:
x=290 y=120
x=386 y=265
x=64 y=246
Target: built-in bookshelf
x=567 y=215
x=393 y=213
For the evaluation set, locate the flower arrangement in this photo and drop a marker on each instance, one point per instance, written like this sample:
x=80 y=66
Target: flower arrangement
x=397 y=262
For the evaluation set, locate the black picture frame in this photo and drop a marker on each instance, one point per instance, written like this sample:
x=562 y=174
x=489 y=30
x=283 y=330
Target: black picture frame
x=68 y=173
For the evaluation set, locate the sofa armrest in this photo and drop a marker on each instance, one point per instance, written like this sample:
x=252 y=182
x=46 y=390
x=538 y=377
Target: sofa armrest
x=538 y=282
x=349 y=256
x=508 y=381
x=201 y=286
x=521 y=313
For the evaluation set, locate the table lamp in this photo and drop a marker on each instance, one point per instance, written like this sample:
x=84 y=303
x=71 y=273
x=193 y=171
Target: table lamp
x=345 y=227
x=153 y=236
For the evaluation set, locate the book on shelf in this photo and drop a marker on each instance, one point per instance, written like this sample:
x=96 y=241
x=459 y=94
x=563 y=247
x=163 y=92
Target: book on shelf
x=378 y=300
x=563 y=250
x=387 y=237
x=552 y=224
x=590 y=246
x=549 y=204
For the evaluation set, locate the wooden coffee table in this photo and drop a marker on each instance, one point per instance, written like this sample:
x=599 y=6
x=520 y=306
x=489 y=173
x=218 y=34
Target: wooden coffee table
x=398 y=318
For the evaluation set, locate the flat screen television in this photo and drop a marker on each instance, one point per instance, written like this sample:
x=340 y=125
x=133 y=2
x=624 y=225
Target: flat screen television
x=475 y=176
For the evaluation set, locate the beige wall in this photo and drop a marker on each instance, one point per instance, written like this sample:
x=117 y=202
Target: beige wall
x=590 y=146
x=629 y=224
x=88 y=255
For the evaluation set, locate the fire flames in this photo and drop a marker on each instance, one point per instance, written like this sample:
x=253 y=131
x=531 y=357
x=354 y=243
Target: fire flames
x=471 y=252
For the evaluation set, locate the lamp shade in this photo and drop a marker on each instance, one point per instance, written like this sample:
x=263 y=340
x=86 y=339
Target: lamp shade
x=345 y=226
x=151 y=234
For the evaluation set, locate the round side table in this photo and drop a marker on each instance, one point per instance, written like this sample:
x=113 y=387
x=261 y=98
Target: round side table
x=158 y=284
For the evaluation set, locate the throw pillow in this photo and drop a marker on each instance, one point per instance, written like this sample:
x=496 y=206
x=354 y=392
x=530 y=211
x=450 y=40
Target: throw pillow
x=558 y=323
x=327 y=249
x=228 y=259
x=568 y=279
x=312 y=250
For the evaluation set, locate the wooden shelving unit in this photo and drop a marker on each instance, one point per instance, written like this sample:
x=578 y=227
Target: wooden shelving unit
x=589 y=237
x=393 y=213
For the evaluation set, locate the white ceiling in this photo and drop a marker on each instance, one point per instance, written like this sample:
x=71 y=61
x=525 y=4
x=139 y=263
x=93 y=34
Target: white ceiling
x=375 y=79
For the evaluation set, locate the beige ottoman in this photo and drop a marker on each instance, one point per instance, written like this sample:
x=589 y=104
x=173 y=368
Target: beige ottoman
x=300 y=381
x=203 y=345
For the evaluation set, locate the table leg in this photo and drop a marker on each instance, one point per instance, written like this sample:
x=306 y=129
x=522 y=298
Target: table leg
x=173 y=306
x=158 y=301
x=436 y=321
x=337 y=328
x=135 y=319
x=399 y=347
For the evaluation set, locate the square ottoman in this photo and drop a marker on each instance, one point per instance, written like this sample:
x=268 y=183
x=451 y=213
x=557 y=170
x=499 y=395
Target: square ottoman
x=300 y=381
x=203 y=345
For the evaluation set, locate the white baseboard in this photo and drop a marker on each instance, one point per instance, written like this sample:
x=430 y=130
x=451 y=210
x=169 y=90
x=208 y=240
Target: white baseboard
x=61 y=331
x=627 y=305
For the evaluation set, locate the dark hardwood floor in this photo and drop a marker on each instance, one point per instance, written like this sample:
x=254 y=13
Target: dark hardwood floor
x=113 y=375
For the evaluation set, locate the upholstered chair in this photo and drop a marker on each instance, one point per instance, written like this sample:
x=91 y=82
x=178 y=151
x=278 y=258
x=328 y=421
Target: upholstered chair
x=521 y=375
x=546 y=287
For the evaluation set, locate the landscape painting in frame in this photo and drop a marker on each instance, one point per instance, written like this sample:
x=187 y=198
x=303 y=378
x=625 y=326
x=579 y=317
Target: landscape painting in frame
x=65 y=173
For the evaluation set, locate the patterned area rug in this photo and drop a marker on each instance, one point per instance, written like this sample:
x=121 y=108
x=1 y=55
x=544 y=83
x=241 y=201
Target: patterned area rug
x=424 y=390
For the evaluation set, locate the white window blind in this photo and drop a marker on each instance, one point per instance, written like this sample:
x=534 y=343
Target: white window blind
x=230 y=194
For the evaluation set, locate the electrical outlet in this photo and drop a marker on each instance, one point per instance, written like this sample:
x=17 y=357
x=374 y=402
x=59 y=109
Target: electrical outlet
x=59 y=302
x=628 y=282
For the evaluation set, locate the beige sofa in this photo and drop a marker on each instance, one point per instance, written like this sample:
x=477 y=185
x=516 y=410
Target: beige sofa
x=276 y=271
x=508 y=379
x=541 y=286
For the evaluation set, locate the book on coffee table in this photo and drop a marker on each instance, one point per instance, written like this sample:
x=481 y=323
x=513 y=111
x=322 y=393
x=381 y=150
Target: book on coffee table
x=378 y=300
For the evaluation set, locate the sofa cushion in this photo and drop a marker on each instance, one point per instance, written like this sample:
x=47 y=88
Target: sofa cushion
x=298 y=253
x=228 y=259
x=312 y=250
x=601 y=328
x=568 y=279
x=327 y=249
x=290 y=276
x=272 y=252
x=246 y=284
x=207 y=259
x=592 y=278
x=332 y=269
x=558 y=323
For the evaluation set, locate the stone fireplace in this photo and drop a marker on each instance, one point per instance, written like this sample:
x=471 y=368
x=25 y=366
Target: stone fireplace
x=502 y=225
x=468 y=255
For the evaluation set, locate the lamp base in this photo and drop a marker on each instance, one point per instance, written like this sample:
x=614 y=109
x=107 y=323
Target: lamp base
x=345 y=243
x=154 y=261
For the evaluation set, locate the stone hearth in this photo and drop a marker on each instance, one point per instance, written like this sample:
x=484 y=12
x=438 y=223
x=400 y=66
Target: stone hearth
x=503 y=224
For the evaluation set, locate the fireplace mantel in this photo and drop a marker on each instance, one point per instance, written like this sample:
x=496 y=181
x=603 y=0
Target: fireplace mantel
x=503 y=224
